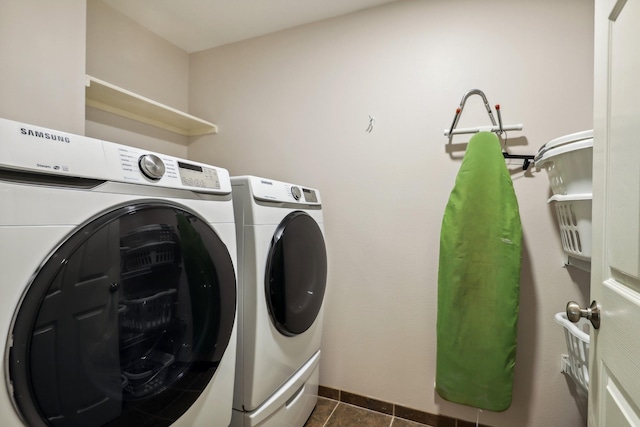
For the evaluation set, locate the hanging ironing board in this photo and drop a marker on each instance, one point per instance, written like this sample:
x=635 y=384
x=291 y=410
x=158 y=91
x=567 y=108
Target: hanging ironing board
x=479 y=281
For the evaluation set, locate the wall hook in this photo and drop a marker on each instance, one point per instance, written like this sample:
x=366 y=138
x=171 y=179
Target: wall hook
x=372 y=120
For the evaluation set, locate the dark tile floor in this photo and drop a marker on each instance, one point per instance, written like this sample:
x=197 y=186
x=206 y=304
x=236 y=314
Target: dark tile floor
x=331 y=413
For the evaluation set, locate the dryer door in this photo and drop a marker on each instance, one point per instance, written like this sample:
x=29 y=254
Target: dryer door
x=126 y=322
x=296 y=274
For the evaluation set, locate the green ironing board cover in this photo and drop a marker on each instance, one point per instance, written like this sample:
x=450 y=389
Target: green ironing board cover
x=479 y=281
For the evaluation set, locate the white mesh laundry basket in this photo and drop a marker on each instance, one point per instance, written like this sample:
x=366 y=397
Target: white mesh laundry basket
x=568 y=161
x=577 y=338
x=574 y=220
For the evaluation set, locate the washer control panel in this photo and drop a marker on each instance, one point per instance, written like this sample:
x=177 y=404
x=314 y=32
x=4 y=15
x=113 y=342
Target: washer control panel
x=144 y=167
x=31 y=148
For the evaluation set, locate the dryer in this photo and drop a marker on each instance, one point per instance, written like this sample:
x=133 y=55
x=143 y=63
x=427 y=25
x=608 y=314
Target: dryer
x=282 y=272
x=118 y=284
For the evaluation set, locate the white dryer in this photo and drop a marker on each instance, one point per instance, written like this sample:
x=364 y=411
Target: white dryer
x=118 y=284
x=282 y=272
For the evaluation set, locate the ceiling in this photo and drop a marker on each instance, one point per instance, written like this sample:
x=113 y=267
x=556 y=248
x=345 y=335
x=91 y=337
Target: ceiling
x=195 y=25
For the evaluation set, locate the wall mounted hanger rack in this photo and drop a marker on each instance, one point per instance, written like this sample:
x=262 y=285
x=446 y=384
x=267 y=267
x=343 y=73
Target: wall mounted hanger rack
x=498 y=127
x=527 y=159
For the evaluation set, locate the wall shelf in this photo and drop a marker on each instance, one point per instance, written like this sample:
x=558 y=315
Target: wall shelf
x=113 y=99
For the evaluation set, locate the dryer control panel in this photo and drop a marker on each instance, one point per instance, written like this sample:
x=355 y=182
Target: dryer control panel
x=278 y=191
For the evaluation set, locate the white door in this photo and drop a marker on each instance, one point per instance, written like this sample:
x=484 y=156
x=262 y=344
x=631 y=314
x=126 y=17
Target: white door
x=614 y=393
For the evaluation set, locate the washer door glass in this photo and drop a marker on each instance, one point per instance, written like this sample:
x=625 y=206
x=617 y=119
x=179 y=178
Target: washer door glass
x=126 y=322
x=296 y=274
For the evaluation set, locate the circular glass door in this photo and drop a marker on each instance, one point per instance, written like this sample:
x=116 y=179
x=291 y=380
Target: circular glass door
x=296 y=274
x=126 y=322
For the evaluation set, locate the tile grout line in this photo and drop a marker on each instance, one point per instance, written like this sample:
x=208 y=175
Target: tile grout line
x=338 y=402
x=331 y=414
x=368 y=410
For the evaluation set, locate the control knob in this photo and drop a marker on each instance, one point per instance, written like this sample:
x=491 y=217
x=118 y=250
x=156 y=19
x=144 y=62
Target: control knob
x=151 y=166
x=295 y=192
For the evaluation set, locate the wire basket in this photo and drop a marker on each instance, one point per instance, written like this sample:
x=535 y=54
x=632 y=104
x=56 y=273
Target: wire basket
x=149 y=247
x=149 y=312
x=148 y=256
x=148 y=233
x=578 y=347
x=147 y=374
x=574 y=221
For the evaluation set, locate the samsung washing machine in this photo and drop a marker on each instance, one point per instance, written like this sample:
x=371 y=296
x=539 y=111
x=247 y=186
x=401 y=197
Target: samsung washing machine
x=118 y=284
x=282 y=273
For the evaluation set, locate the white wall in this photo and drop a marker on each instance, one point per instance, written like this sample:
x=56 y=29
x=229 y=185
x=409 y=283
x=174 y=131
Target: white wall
x=42 y=58
x=127 y=55
x=294 y=106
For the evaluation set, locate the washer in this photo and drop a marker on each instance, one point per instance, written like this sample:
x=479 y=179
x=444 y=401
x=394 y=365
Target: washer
x=282 y=276
x=118 y=284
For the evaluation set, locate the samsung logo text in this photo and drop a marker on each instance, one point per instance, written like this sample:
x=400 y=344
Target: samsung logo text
x=44 y=135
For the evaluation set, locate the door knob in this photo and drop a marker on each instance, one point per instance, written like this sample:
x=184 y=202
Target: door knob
x=592 y=313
